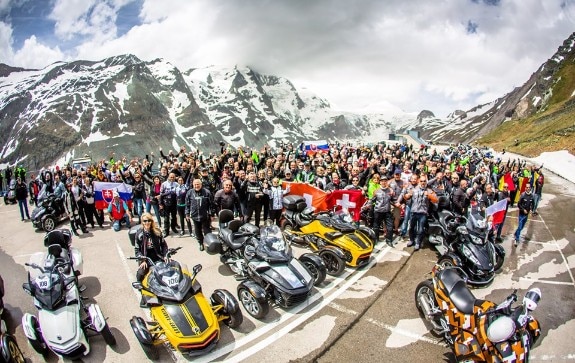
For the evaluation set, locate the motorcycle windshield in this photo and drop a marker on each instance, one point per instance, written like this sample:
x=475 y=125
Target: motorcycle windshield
x=271 y=245
x=167 y=281
x=342 y=221
x=48 y=290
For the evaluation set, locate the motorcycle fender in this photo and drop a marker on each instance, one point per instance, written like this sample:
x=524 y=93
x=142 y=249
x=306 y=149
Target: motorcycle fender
x=28 y=322
x=335 y=250
x=455 y=258
x=313 y=258
x=368 y=232
x=96 y=316
x=141 y=331
x=255 y=289
x=499 y=250
x=231 y=305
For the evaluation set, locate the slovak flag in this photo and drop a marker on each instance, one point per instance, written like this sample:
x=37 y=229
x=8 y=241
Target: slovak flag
x=103 y=193
x=312 y=147
x=497 y=210
x=352 y=200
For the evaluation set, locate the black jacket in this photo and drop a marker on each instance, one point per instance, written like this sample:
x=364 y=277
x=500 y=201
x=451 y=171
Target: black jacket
x=159 y=245
x=525 y=203
x=199 y=204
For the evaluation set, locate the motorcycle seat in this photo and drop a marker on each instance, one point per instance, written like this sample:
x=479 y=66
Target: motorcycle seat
x=232 y=239
x=458 y=291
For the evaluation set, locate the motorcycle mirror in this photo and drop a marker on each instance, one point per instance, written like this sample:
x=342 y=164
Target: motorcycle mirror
x=29 y=289
x=197 y=268
x=137 y=285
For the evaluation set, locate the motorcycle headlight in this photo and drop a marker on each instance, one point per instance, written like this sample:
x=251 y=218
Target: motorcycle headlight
x=501 y=329
x=467 y=253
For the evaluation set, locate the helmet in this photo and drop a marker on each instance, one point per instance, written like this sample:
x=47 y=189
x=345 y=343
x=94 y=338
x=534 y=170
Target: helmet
x=532 y=298
x=501 y=329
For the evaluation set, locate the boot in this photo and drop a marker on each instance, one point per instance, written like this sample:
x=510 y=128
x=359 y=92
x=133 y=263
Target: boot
x=74 y=230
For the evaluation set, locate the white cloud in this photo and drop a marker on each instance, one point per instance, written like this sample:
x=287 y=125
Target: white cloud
x=36 y=55
x=414 y=54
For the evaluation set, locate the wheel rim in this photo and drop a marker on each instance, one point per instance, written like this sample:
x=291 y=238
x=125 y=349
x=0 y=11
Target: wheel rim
x=447 y=263
x=249 y=302
x=331 y=262
x=15 y=352
x=425 y=293
x=49 y=224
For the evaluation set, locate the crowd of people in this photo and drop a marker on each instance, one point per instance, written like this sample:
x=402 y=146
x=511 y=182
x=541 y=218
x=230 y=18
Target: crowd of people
x=183 y=190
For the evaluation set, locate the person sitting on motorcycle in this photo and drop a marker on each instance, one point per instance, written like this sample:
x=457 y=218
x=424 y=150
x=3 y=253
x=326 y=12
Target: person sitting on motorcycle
x=119 y=212
x=149 y=243
x=59 y=193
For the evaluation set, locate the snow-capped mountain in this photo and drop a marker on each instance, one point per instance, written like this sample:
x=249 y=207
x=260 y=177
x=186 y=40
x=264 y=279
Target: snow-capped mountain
x=550 y=84
x=132 y=107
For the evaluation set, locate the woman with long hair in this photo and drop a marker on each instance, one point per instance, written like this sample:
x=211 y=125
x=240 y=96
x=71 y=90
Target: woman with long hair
x=149 y=243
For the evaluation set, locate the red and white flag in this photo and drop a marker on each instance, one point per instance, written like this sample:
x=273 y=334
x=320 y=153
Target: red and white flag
x=351 y=200
x=497 y=210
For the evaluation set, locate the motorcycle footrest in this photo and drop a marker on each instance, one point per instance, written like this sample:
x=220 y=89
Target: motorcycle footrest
x=240 y=278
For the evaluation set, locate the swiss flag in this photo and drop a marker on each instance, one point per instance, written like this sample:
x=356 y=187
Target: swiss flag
x=497 y=210
x=352 y=200
x=313 y=196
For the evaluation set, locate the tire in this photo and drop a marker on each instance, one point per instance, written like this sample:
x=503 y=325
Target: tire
x=498 y=261
x=334 y=265
x=150 y=351
x=39 y=346
x=256 y=308
x=12 y=348
x=108 y=336
x=317 y=272
x=447 y=261
x=49 y=224
x=424 y=290
x=231 y=308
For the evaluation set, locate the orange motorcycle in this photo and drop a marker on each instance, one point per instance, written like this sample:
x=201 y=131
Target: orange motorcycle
x=477 y=330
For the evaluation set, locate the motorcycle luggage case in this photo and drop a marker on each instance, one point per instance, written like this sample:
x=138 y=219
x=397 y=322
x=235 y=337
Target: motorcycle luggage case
x=294 y=203
x=212 y=244
x=132 y=233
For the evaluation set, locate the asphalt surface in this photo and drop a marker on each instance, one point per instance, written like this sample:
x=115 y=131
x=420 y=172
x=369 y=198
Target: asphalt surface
x=367 y=314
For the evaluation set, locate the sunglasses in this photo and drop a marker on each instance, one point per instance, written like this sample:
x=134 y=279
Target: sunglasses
x=147 y=221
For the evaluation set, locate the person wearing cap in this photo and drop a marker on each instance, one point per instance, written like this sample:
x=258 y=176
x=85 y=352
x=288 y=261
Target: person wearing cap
x=381 y=202
x=288 y=176
x=118 y=212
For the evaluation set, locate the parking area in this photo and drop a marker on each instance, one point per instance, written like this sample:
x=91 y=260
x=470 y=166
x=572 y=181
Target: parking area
x=364 y=314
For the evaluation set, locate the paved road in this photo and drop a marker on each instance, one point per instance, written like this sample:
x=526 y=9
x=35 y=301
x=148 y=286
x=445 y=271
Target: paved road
x=368 y=314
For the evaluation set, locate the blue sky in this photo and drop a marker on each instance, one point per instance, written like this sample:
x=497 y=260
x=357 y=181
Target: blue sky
x=362 y=56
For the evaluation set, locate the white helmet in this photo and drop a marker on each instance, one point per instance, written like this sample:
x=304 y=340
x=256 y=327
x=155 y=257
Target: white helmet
x=501 y=329
x=532 y=298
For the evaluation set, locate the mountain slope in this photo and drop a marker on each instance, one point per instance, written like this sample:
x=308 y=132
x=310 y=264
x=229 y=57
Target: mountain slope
x=125 y=105
x=546 y=91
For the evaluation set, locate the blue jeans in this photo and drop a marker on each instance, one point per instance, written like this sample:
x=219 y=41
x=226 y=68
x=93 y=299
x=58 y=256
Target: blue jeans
x=138 y=206
x=417 y=227
x=406 y=218
x=536 y=199
x=522 y=222
x=156 y=207
x=117 y=224
x=23 y=204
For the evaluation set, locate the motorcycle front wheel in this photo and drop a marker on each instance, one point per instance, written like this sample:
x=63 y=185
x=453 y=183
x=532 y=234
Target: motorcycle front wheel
x=108 y=336
x=49 y=224
x=317 y=272
x=13 y=350
x=256 y=308
x=334 y=265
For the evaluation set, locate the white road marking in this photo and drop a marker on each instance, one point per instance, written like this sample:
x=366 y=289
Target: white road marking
x=560 y=252
x=546 y=281
x=301 y=318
